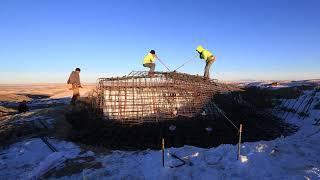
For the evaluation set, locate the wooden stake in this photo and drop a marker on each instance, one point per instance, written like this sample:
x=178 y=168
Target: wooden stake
x=162 y=152
x=239 y=143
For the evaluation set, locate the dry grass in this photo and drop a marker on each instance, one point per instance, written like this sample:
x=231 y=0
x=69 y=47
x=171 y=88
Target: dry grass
x=14 y=98
x=16 y=93
x=6 y=111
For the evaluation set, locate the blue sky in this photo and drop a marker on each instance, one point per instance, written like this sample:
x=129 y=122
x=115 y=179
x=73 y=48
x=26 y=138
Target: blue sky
x=42 y=41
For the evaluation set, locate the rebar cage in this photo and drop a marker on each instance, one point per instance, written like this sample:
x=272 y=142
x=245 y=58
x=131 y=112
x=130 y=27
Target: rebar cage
x=166 y=95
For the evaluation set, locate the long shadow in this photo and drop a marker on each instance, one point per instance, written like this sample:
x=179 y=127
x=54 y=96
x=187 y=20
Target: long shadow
x=12 y=131
x=35 y=96
x=38 y=101
x=201 y=131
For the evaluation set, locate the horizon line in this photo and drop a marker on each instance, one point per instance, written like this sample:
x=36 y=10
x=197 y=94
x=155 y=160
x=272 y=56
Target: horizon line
x=91 y=83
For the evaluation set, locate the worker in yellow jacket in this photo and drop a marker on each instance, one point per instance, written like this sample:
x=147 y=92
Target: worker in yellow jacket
x=148 y=61
x=208 y=57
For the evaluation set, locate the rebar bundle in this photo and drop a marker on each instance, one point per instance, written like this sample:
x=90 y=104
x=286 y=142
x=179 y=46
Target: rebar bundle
x=166 y=95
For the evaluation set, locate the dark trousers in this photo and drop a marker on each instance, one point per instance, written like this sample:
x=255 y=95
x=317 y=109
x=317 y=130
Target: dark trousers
x=152 y=67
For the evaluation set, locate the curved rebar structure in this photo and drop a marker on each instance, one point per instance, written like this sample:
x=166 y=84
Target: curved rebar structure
x=138 y=97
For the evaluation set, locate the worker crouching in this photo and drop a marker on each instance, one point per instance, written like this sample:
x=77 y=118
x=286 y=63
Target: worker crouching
x=148 y=61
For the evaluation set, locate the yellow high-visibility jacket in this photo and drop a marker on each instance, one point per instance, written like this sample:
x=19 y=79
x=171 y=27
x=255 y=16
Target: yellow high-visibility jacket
x=204 y=54
x=149 y=58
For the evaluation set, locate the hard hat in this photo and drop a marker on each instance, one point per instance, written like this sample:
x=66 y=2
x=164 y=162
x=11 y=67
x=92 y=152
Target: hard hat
x=200 y=48
x=153 y=52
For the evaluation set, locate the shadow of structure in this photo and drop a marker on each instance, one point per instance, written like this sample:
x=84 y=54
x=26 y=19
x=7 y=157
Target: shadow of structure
x=136 y=111
x=15 y=126
x=35 y=96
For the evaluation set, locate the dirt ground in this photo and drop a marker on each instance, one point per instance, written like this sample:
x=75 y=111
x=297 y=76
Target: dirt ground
x=16 y=93
x=44 y=100
x=11 y=95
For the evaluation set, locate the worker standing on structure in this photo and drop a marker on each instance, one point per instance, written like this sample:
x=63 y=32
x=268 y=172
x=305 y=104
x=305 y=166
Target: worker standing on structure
x=74 y=80
x=148 y=61
x=208 y=57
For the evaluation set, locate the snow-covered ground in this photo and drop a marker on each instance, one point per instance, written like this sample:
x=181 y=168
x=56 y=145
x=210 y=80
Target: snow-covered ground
x=293 y=157
x=280 y=84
